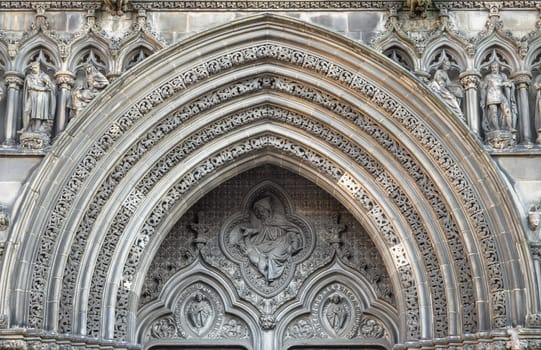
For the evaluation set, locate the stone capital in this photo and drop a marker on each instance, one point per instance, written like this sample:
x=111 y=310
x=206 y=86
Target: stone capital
x=535 y=249
x=13 y=79
x=522 y=79
x=470 y=80
x=65 y=79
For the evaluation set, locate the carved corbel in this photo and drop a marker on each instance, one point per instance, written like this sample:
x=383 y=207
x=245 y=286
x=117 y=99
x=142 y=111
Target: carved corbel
x=40 y=22
x=494 y=22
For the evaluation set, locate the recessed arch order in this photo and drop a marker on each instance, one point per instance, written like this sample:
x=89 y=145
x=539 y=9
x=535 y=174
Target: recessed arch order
x=267 y=89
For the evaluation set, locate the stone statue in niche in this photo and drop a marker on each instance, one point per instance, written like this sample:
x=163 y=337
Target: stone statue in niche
x=537 y=86
x=39 y=105
x=199 y=311
x=269 y=242
x=450 y=92
x=83 y=94
x=337 y=313
x=499 y=107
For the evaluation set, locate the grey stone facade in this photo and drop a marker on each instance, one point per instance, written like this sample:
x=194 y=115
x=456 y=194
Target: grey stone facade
x=270 y=174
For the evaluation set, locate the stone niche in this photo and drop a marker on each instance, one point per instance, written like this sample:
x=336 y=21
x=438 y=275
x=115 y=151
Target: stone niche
x=307 y=233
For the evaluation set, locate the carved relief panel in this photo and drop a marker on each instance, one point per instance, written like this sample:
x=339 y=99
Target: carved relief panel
x=268 y=255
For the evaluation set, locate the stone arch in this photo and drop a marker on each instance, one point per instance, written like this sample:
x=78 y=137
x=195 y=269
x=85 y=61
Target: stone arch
x=360 y=126
x=33 y=46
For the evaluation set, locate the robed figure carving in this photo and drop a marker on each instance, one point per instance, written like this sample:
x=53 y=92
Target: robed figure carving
x=450 y=92
x=267 y=240
x=82 y=95
x=499 y=107
x=199 y=312
x=39 y=106
x=270 y=242
x=39 y=101
x=337 y=313
x=537 y=86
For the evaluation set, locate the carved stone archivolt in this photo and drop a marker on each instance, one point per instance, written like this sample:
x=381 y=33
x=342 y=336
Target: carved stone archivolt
x=473 y=218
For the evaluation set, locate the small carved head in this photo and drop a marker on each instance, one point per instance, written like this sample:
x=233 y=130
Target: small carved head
x=263 y=208
x=35 y=67
x=495 y=67
x=534 y=216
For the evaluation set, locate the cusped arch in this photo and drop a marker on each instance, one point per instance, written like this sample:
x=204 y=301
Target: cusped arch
x=36 y=46
x=268 y=57
x=89 y=45
x=453 y=52
x=501 y=47
x=199 y=277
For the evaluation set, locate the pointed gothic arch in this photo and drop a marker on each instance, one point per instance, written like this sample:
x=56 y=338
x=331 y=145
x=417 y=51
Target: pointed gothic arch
x=262 y=90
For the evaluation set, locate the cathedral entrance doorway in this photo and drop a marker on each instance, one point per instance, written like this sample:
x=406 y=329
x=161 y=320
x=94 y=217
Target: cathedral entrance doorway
x=268 y=260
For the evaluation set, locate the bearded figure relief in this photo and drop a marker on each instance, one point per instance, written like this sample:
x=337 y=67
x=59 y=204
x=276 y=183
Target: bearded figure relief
x=270 y=242
x=267 y=240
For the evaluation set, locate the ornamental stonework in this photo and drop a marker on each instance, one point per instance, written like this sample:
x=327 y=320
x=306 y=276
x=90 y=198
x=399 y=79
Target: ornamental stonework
x=377 y=97
x=286 y=213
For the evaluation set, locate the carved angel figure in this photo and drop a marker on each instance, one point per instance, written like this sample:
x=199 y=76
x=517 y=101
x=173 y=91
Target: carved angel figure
x=199 y=311
x=270 y=243
x=39 y=100
x=498 y=100
x=337 y=313
x=83 y=95
x=450 y=92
